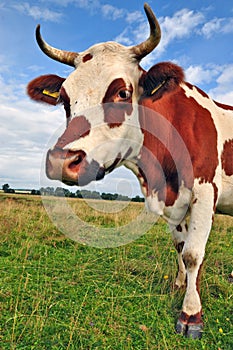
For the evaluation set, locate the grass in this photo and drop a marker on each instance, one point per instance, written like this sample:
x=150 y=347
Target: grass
x=59 y=294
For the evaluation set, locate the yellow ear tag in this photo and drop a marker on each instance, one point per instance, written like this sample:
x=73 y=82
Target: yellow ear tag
x=157 y=87
x=54 y=94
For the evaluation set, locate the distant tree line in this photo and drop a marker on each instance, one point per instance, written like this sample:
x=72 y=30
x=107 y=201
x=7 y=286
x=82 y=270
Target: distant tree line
x=63 y=192
x=6 y=188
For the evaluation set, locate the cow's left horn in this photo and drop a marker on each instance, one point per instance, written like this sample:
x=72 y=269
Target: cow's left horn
x=147 y=46
x=66 y=57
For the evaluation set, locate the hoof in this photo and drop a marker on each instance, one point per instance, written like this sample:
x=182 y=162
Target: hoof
x=181 y=328
x=194 y=331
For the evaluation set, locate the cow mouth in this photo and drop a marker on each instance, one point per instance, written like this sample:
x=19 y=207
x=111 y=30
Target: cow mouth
x=72 y=167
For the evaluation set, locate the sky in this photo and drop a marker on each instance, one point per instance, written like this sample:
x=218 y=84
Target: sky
x=196 y=34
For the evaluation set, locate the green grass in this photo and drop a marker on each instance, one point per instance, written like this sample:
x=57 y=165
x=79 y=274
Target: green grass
x=58 y=294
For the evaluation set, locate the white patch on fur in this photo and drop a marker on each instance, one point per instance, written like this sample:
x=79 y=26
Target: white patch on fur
x=175 y=214
x=154 y=205
x=172 y=214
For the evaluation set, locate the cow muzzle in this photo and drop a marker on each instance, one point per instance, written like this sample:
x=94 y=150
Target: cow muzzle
x=72 y=167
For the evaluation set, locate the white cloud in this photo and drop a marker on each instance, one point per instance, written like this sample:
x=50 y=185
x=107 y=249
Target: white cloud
x=217 y=25
x=135 y=16
x=112 y=12
x=223 y=92
x=25 y=130
x=211 y=27
x=108 y=10
x=223 y=97
x=181 y=25
x=218 y=76
x=86 y=3
x=124 y=37
x=221 y=77
x=226 y=78
x=228 y=26
x=89 y=4
x=201 y=75
x=37 y=12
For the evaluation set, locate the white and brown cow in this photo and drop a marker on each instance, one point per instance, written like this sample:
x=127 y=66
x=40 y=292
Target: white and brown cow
x=176 y=139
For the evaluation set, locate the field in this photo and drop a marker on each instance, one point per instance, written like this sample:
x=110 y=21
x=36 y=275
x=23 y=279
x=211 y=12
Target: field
x=59 y=294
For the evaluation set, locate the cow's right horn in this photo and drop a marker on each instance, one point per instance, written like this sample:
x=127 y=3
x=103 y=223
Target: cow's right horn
x=66 y=57
x=147 y=46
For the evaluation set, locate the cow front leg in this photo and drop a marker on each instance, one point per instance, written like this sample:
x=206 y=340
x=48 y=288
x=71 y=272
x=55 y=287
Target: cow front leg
x=179 y=234
x=190 y=321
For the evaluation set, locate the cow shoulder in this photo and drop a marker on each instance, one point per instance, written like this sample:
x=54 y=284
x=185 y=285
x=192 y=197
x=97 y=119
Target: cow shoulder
x=45 y=88
x=162 y=78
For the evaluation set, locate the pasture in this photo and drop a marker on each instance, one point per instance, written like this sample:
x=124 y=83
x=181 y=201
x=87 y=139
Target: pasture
x=58 y=294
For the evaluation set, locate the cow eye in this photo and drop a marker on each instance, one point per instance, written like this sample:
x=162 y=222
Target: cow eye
x=124 y=95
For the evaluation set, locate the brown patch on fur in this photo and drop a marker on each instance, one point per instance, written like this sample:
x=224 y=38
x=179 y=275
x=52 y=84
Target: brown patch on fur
x=77 y=128
x=114 y=112
x=179 y=228
x=64 y=98
x=179 y=246
x=115 y=163
x=165 y=171
x=191 y=319
x=189 y=260
x=227 y=157
x=215 y=197
x=223 y=106
x=118 y=159
x=195 y=201
x=87 y=57
x=198 y=282
x=184 y=317
x=127 y=154
x=142 y=180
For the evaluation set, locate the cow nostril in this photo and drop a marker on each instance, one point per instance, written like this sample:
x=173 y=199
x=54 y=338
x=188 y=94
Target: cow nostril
x=75 y=163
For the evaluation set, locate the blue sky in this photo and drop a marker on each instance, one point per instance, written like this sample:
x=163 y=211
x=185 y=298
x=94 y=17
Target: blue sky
x=197 y=35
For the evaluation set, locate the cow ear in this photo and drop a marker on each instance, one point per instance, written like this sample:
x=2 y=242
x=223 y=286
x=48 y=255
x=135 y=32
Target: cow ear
x=45 y=88
x=161 y=78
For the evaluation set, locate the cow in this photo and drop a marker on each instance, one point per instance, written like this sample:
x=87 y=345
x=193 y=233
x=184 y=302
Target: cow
x=172 y=135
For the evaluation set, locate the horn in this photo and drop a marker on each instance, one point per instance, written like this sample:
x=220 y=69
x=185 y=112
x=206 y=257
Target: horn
x=66 y=57
x=153 y=40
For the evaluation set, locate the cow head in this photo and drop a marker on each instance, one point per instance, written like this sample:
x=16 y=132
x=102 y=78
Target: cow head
x=100 y=98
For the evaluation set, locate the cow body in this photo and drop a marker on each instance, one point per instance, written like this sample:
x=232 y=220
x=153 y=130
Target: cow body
x=176 y=140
